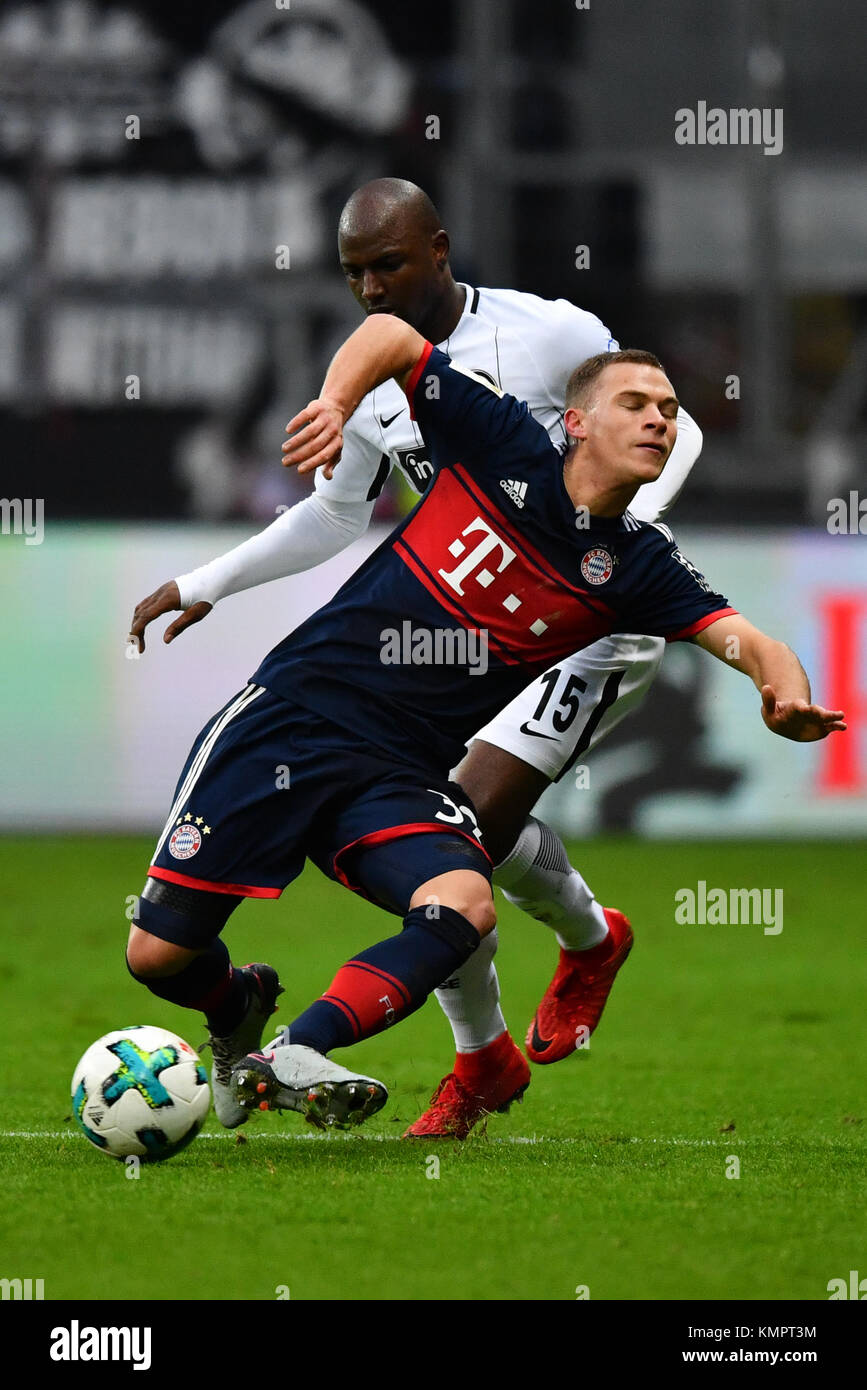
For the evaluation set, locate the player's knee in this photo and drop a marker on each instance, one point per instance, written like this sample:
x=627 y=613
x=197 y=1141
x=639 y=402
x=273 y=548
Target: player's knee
x=478 y=911
x=482 y=914
x=464 y=891
x=149 y=957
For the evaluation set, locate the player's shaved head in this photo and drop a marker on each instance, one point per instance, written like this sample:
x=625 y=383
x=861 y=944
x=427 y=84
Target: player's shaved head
x=388 y=206
x=394 y=254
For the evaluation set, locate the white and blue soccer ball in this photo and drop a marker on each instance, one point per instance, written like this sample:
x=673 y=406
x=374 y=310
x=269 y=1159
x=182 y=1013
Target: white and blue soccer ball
x=140 y=1090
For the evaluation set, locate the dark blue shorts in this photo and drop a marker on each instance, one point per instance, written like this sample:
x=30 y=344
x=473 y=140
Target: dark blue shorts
x=268 y=784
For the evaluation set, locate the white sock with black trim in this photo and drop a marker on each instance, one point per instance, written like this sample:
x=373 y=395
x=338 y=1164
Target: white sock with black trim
x=470 y=1000
x=538 y=878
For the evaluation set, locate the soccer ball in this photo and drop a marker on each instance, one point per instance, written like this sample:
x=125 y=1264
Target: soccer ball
x=140 y=1090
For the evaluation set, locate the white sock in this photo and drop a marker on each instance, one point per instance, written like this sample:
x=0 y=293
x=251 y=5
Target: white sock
x=538 y=878
x=470 y=1000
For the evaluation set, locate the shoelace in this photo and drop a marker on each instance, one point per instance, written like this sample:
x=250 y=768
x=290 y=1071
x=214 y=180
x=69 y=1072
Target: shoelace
x=225 y=1055
x=463 y=1094
x=224 y=1058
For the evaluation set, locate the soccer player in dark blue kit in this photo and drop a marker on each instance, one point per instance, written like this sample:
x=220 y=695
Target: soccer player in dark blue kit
x=535 y=552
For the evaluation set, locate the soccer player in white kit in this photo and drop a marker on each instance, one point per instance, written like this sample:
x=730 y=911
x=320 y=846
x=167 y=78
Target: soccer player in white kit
x=394 y=255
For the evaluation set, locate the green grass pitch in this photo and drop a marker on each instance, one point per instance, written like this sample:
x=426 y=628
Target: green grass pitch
x=719 y=1042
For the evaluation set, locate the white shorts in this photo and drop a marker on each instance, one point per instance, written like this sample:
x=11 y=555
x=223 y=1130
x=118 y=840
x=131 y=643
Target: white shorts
x=576 y=704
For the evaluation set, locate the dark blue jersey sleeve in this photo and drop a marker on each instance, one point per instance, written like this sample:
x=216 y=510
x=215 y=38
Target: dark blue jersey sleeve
x=667 y=596
x=462 y=417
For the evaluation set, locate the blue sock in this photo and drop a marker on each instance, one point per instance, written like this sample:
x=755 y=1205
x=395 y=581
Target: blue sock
x=387 y=982
x=209 y=984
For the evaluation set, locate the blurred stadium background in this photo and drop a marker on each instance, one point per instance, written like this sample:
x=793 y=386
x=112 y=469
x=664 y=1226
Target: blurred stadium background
x=146 y=249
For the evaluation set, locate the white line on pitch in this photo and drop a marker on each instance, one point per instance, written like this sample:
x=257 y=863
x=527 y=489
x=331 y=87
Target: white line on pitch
x=396 y=1138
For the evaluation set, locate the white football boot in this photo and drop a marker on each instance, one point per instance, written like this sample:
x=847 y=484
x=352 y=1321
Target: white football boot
x=287 y=1076
x=263 y=987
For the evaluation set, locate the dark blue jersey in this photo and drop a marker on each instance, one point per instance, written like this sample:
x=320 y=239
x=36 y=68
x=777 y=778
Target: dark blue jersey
x=490 y=580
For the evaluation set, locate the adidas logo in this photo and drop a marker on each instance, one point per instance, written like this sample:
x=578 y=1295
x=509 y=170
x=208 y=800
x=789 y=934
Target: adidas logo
x=517 y=491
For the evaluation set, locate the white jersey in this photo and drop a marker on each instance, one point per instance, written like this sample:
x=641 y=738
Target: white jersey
x=526 y=346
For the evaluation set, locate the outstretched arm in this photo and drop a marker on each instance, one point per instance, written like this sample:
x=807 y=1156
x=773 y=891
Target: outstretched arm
x=776 y=673
x=310 y=532
x=382 y=347
x=318 y=527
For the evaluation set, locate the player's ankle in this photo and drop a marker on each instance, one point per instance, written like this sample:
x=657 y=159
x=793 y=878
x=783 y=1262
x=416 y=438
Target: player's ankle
x=482 y=1058
x=592 y=955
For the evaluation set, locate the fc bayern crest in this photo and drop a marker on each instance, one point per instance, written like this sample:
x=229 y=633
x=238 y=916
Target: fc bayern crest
x=185 y=841
x=597 y=566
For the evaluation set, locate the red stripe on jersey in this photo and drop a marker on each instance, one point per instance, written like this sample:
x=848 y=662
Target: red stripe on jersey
x=455 y=609
x=414 y=376
x=241 y=890
x=702 y=623
x=396 y=832
x=485 y=581
x=505 y=524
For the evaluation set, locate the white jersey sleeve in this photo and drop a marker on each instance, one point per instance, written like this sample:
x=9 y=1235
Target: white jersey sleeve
x=320 y=526
x=653 y=500
x=364 y=462
x=305 y=535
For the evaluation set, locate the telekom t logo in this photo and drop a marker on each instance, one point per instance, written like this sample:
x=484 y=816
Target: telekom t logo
x=490 y=541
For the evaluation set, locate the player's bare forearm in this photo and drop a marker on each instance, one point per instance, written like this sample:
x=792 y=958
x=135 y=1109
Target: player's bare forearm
x=382 y=347
x=765 y=660
x=777 y=674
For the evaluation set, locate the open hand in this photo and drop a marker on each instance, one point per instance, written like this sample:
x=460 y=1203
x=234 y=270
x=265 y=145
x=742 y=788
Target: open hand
x=797 y=720
x=165 y=599
x=317 y=438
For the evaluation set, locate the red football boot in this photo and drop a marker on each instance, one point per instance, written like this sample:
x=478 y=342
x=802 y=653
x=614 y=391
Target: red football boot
x=481 y=1082
x=578 y=992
